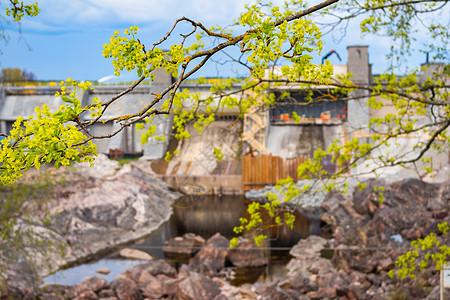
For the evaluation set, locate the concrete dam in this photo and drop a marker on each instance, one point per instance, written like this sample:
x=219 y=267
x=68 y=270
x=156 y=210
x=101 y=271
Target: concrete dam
x=270 y=133
x=194 y=169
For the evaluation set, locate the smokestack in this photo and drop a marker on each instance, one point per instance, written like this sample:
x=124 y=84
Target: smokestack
x=358 y=64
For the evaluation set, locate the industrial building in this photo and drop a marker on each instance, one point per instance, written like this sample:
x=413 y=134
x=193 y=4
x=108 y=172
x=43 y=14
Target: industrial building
x=262 y=131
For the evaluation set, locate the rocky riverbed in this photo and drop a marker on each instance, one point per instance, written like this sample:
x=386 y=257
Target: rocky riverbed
x=361 y=239
x=94 y=210
x=365 y=237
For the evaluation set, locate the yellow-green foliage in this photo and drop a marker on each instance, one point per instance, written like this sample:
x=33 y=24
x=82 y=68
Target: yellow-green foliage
x=218 y=154
x=431 y=250
x=19 y=10
x=47 y=137
x=255 y=222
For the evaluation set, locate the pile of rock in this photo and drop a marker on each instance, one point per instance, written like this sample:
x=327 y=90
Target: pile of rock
x=367 y=238
x=183 y=248
x=364 y=238
x=202 y=278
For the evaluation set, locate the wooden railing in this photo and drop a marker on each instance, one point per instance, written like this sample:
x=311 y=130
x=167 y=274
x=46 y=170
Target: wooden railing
x=259 y=171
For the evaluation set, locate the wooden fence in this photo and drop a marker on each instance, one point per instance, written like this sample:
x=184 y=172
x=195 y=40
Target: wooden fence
x=259 y=171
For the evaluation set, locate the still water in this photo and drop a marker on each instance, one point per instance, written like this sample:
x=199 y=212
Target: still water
x=204 y=216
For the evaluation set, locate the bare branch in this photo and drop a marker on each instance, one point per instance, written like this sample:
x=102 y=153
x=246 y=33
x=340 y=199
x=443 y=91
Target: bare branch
x=427 y=145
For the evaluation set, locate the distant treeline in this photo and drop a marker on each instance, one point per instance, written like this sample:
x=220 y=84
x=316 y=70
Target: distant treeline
x=16 y=75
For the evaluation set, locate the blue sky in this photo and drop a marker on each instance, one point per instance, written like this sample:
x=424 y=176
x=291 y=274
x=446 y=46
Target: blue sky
x=66 y=38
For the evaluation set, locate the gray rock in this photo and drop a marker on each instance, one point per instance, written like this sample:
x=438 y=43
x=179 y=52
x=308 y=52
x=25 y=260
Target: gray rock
x=311 y=246
x=135 y=254
x=106 y=293
x=95 y=283
x=103 y=167
x=126 y=219
x=198 y=287
x=154 y=267
x=126 y=289
x=103 y=271
x=212 y=257
x=99 y=213
x=91 y=214
x=309 y=202
x=246 y=254
x=185 y=247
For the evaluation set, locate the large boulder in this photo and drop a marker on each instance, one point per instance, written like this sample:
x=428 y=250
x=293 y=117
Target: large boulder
x=155 y=279
x=92 y=210
x=307 y=266
x=198 y=287
x=126 y=289
x=154 y=268
x=185 y=247
x=212 y=257
x=246 y=254
x=92 y=214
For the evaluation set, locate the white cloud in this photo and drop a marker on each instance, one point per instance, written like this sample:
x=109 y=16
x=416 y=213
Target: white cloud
x=66 y=26
x=57 y=15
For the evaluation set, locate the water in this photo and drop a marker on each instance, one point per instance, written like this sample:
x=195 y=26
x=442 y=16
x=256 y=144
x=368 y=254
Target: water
x=80 y=273
x=204 y=216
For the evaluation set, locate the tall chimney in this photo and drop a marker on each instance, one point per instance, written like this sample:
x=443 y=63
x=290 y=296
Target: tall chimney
x=358 y=64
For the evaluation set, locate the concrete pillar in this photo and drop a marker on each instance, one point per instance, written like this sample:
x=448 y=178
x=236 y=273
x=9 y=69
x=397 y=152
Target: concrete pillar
x=358 y=64
x=358 y=112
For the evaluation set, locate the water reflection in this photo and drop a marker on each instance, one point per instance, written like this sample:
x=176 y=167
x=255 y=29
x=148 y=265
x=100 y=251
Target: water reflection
x=202 y=215
x=205 y=216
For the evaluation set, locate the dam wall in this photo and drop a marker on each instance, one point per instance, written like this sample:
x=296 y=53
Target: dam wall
x=22 y=101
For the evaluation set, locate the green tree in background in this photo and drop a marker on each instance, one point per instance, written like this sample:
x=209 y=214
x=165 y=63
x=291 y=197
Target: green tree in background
x=16 y=75
x=265 y=35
